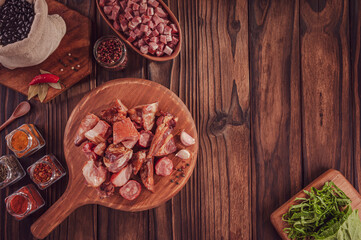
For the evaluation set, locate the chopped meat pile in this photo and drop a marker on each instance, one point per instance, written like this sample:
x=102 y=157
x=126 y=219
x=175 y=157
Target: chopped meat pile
x=145 y=23
x=121 y=143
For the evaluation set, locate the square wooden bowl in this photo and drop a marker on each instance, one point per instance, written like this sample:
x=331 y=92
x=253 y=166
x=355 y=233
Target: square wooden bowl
x=330 y=175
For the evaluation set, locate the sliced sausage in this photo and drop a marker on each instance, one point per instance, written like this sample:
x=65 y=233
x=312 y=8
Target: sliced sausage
x=164 y=167
x=131 y=190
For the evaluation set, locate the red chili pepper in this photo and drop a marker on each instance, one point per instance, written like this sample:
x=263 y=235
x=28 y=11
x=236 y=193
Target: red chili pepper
x=44 y=78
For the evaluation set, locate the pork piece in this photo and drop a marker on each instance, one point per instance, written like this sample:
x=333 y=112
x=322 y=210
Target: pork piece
x=116 y=157
x=122 y=177
x=164 y=167
x=145 y=138
x=146 y=174
x=100 y=148
x=88 y=149
x=131 y=190
x=161 y=142
x=125 y=132
x=99 y=133
x=167 y=147
x=116 y=112
x=93 y=174
x=86 y=124
x=106 y=189
x=138 y=160
x=144 y=115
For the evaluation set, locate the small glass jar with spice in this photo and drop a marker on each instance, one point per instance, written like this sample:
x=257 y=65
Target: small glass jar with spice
x=24 y=202
x=46 y=171
x=25 y=140
x=11 y=170
x=110 y=52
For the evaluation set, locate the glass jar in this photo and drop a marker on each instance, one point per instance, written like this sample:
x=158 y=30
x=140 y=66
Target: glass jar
x=111 y=53
x=25 y=140
x=11 y=170
x=46 y=171
x=24 y=202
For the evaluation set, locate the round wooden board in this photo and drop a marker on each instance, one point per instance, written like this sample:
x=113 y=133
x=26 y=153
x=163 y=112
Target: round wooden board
x=131 y=92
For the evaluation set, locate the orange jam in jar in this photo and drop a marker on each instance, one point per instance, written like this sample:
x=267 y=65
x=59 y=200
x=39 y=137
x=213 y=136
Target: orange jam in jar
x=25 y=140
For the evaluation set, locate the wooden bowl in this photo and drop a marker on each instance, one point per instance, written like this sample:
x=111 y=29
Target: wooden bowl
x=150 y=57
x=131 y=92
x=331 y=175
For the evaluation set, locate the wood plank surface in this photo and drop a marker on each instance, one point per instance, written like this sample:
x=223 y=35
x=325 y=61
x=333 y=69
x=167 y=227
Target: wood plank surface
x=274 y=89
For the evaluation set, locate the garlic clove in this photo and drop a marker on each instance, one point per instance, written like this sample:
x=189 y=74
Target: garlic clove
x=186 y=139
x=183 y=154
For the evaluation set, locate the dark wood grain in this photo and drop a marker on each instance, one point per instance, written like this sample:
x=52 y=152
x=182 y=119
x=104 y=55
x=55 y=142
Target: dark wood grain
x=274 y=88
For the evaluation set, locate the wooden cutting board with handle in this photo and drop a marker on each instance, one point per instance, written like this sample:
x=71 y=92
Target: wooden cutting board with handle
x=131 y=92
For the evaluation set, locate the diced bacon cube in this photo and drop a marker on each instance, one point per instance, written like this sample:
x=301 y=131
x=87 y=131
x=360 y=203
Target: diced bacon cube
x=169 y=38
x=129 y=4
x=171 y=45
x=115 y=12
x=138 y=32
x=163 y=39
x=154 y=3
x=124 y=25
x=123 y=4
x=146 y=19
x=144 y=49
x=160 y=28
x=167 y=30
x=160 y=12
x=136 y=44
x=150 y=11
x=153 y=46
x=156 y=19
x=161 y=47
x=148 y=33
x=143 y=8
x=144 y=28
x=110 y=2
x=127 y=32
x=141 y=42
x=167 y=50
x=121 y=18
x=159 y=53
x=128 y=16
x=165 y=21
x=143 y=1
x=155 y=33
x=108 y=10
x=116 y=25
x=154 y=39
x=135 y=6
x=174 y=40
x=151 y=51
x=137 y=20
x=102 y=3
x=132 y=25
x=146 y=39
x=128 y=10
x=174 y=28
x=136 y=13
x=151 y=25
x=132 y=36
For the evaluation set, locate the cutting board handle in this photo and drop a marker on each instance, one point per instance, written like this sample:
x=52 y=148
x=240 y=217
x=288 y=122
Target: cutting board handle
x=60 y=210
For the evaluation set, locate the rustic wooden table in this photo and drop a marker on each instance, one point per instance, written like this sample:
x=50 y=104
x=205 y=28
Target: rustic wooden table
x=273 y=87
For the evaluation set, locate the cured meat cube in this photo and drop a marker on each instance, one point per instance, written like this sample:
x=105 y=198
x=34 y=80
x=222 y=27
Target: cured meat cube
x=165 y=21
x=108 y=10
x=164 y=167
x=145 y=138
x=156 y=19
x=128 y=16
x=143 y=8
x=168 y=147
x=116 y=25
x=122 y=177
x=159 y=53
x=131 y=190
x=137 y=20
x=154 y=39
x=93 y=174
x=123 y=131
x=136 y=44
x=155 y=33
x=116 y=157
x=128 y=10
x=167 y=30
x=121 y=18
x=116 y=112
x=86 y=124
x=88 y=149
x=146 y=19
x=136 y=13
x=123 y=5
x=99 y=133
x=135 y=7
x=167 y=50
x=151 y=51
x=132 y=36
x=151 y=25
x=147 y=174
x=160 y=12
x=130 y=3
x=102 y=3
x=161 y=47
x=144 y=28
x=153 y=46
x=169 y=38
x=150 y=11
x=138 y=32
x=144 y=49
x=138 y=160
x=141 y=42
x=163 y=39
x=171 y=45
x=174 y=28
x=174 y=40
x=124 y=25
x=160 y=28
x=148 y=33
x=100 y=148
x=154 y=3
x=112 y=2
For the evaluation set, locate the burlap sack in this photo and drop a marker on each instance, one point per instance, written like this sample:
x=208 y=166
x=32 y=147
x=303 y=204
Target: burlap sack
x=44 y=37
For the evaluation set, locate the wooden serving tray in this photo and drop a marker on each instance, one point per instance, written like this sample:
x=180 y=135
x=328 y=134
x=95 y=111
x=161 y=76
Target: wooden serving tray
x=330 y=175
x=76 y=41
x=131 y=92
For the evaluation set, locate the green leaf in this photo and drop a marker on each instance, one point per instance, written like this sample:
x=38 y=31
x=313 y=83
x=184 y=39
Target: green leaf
x=43 y=91
x=349 y=230
x=55 y=85
x=33 y=91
